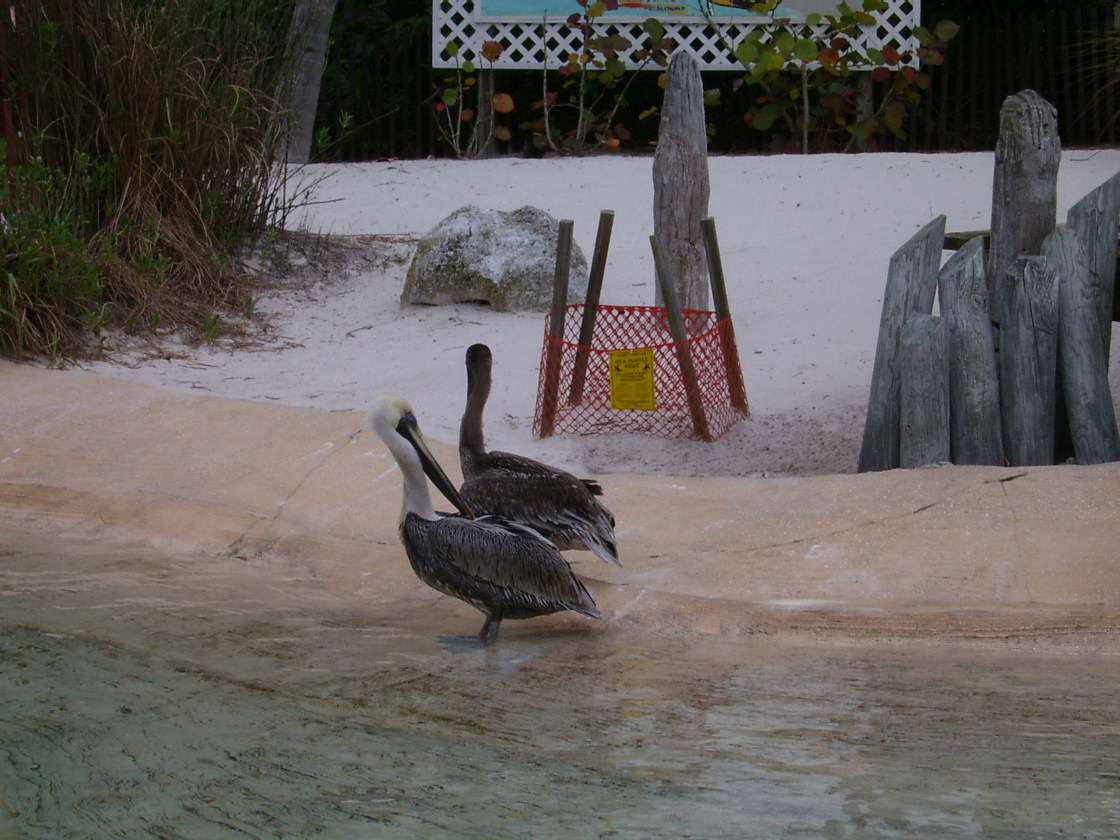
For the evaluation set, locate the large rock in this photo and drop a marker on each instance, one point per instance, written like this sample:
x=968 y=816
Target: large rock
x=505 y=259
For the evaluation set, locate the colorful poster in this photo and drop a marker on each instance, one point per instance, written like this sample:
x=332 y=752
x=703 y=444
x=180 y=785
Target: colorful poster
x=641 y=9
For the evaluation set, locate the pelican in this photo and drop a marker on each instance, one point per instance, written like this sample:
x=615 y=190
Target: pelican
x=549 y=500
x=503 y=569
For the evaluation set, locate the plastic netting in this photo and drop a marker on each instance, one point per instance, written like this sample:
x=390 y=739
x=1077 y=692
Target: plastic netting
x=574 y=391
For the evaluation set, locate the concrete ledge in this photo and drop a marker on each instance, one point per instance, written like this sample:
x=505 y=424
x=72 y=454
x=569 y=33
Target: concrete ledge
x=980 y=551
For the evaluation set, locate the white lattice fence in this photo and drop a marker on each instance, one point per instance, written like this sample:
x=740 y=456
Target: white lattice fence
x=547 y=43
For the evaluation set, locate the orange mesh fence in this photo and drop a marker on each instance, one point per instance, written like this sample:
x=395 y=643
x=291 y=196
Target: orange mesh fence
x=574 y=395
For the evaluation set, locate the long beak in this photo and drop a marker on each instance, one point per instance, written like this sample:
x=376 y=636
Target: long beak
x=410 y=431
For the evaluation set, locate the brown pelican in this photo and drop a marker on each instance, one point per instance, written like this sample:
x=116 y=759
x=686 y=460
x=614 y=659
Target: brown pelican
x=501 y=568
x=556 y=503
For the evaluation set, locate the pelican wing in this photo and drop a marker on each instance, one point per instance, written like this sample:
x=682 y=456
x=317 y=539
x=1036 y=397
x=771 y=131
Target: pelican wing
x=492 y=552
x=556 y=504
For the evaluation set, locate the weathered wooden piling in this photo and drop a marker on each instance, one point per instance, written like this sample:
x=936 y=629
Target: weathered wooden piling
x=974 y=421
x=1082 y=360
x=911 y=289
x=681 y=186
x=1095 y=219
x=1028 y=363
x=1028 y=330
x=924 y=392
x=1024 y=186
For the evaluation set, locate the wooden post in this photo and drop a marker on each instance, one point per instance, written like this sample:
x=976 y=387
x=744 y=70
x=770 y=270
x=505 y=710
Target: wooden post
x=1082 y=360
x=924 y=386
x=554 y=351
x=974 y=422
x=911 y=288
x=591 y=305
x=735 y=388
x=1024 y=186
x=684 y=354
x=1095 y=219
x=1028 y=364
x=680 y=181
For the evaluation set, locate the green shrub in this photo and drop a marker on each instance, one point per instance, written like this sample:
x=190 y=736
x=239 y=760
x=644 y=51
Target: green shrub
x=146 y=150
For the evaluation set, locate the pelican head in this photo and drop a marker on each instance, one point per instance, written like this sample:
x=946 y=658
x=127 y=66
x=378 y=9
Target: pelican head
x=395 y=423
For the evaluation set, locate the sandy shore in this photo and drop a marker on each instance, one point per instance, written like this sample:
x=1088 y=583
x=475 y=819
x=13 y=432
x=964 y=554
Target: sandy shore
x=969 y=552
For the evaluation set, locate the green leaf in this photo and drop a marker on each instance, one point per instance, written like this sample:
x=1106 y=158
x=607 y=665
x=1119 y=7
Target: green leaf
x=946 y=29
x=772 y=62
x=806 y=50
x=858 y=131
x=747 y=53
x=450 y=97
x=765 y=117
x=468 y=67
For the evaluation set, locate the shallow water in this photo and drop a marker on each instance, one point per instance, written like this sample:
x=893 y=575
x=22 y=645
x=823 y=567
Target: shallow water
x=142 y=698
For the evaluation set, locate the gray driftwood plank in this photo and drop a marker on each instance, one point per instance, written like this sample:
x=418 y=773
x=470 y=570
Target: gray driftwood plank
x=1028 y=361
x=1081 y=356
x=1024 y=186
x=924 y=428
x=1095 y=219
x=911 y=288
x=974 y=422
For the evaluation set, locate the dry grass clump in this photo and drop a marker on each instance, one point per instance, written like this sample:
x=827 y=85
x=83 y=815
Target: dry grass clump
x=144 y=149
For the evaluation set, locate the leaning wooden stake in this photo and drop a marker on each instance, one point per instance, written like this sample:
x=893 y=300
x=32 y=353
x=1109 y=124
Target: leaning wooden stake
x=911 y=288
x=680 y=337
x=723 y=312
x=591 y=305
x=555 y=347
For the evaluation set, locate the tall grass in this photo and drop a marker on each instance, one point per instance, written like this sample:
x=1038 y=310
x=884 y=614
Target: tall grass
x=146 y=147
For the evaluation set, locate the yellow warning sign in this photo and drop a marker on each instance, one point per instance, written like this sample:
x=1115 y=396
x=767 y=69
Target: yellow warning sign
x=632 y=380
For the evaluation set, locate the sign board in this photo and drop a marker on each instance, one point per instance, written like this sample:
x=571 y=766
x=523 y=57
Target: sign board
x=534 y=34
x=695 y=10
x=632 y=375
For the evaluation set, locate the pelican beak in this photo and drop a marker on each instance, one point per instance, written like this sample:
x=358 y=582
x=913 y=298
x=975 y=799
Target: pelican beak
x=409 y=429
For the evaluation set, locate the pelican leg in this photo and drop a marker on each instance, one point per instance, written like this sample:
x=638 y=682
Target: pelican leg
x=489 y=631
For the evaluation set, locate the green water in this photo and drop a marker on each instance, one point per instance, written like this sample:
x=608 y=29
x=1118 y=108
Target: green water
x=139 y=700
